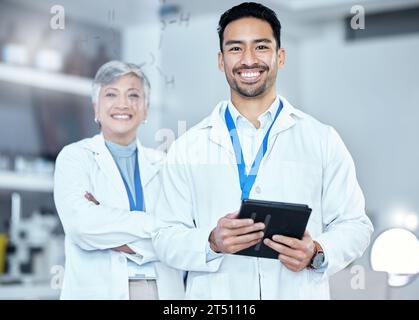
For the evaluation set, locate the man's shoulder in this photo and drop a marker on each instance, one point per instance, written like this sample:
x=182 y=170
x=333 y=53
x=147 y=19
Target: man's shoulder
x=193 y=141
x=200 y=130
x=307 y=122
x=318 y=135
x=312 y=122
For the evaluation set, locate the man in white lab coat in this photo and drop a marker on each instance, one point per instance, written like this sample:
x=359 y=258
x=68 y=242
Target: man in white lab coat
x=279 y=154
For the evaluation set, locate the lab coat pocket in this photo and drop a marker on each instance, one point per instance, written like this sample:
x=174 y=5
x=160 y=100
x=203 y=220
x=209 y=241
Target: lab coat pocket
x=86 y=293
x=210 y=286
x=317 y=286
x=220 y=286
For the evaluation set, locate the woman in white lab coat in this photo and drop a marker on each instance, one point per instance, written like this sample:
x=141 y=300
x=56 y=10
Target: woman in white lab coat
x=105 y=192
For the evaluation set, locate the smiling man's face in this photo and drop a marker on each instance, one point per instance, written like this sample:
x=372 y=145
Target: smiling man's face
x=250 y=57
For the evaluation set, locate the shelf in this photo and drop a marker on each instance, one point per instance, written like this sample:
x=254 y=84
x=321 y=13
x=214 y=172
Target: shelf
x=31 y=292
x=26 y=182
x=27 y=287
x=46 y=80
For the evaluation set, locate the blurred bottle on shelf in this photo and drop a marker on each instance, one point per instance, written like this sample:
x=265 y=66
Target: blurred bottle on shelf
x=100 y=58
x=5 y=162
x=2 y=41
x=46 y=53
x=33 y=165
x=13 y=50
x=77 y=62
x=48 y=60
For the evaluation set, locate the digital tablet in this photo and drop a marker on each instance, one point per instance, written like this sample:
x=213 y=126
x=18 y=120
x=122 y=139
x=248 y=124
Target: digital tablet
x=287 y=219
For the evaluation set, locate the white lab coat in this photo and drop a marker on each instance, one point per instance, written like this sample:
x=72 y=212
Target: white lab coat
x=306 y=162
x=92 y=269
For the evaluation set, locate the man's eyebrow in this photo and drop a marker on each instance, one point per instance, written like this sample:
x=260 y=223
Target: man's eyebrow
x=231 y=42
x=262 y=40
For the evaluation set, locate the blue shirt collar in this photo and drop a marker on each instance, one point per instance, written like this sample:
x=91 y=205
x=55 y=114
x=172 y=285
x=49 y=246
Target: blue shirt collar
x=121 y=151
x=264 y=119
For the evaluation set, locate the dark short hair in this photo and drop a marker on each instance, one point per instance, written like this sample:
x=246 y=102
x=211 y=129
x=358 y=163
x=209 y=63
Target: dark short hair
x=253 y=10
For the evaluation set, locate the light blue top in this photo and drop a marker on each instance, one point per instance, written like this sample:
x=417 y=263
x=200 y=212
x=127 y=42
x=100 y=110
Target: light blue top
x=124 y=157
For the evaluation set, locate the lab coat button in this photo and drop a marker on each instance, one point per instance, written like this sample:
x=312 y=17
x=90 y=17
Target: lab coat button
x=258 y=190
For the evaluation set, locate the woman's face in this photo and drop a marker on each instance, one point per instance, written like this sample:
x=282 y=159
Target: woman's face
x=121 y=108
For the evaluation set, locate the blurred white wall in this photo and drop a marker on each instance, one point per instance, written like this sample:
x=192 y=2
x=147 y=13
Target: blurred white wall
x=368 y=90
x=140 y=44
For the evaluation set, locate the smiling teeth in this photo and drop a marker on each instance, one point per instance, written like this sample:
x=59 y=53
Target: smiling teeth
x=250 y=74
x=121 y=116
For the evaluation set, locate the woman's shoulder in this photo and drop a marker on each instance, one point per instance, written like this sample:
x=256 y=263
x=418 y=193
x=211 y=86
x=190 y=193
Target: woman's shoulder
x=81 y=150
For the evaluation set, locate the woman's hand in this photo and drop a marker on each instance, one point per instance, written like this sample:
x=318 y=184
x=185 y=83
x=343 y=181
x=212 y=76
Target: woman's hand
x=123 y=248
x=91 y=198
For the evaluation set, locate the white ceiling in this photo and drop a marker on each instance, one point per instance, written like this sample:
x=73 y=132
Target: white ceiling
x=306 y=5
x=132 y=12
x=311 y=10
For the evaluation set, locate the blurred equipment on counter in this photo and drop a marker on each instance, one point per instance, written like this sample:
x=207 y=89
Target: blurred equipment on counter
x=34 y=247
x=3 y=246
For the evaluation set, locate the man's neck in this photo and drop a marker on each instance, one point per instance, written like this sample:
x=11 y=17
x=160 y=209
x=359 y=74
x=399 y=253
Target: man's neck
x=252 y=108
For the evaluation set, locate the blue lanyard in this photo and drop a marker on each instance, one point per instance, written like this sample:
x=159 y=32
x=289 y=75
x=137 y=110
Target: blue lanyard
x=247 y=181
x=138 y=205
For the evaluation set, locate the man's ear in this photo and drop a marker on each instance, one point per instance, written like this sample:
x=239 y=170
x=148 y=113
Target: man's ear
x=221 y=61
x=281 y=57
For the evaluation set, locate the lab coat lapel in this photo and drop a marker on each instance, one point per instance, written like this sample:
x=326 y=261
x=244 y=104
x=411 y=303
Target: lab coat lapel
x=148 y=169
x=284 y=122
x=107 y=165
x=219 y=133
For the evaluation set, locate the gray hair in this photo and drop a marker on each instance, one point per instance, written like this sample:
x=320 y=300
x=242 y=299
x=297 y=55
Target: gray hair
x=112 y=71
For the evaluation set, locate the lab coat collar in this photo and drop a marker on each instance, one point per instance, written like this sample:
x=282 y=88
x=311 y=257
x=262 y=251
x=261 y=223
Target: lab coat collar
x=148 y=169
x=219 y=132
x=286 y=119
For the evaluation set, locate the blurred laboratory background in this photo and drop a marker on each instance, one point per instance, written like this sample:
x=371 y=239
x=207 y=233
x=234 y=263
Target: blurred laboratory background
x=360 y=76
